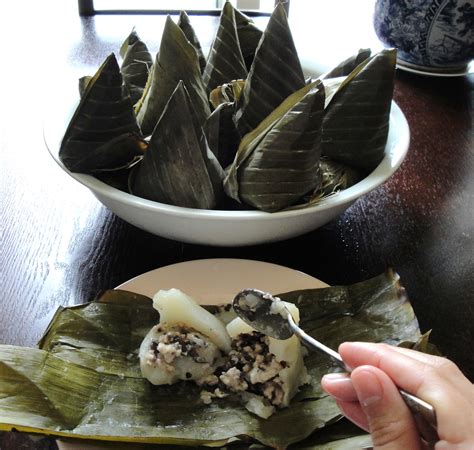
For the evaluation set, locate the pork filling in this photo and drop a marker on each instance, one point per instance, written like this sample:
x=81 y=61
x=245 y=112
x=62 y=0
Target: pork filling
x=250 y=368
x=182 y=349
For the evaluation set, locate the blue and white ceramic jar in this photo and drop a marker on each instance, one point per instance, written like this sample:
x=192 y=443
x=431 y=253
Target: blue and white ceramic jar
x=435 y=35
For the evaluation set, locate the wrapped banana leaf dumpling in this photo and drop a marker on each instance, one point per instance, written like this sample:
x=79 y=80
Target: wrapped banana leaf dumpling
x=176 y=61
x=225 y=61
x=275 y=74
x=267 y=127
x=356 y=120
x=185 y=24
x=136 y=64
x=178 y=167
x=249 y=36
x=103 y=134
x=345 y=67
x=278 y=162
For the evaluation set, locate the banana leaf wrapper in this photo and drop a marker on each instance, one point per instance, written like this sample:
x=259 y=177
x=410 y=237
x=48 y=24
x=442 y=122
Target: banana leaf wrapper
x=178 y=167
x=277 y=163
x=249 y=36
x=103 y=133
x=225 y=61
x=176 y=60
x=345 y=67
x=221 y=133
x=83 y=82
x=84 y=379
x=185 y=24
x=226 y=93
x=136 y=64
x=275 y=74
x=335 y=177
x=356 y=120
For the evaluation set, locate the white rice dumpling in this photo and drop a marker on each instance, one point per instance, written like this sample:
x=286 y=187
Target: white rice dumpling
x=175 y=307
x=272 y=370
x=187 y=343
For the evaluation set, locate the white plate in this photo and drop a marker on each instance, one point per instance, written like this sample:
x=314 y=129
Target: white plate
x=211 y=281
x=433 y=72
x=214 y=281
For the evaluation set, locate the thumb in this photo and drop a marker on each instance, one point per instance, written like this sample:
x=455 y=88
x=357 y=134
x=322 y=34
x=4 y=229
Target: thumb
x=390 y=421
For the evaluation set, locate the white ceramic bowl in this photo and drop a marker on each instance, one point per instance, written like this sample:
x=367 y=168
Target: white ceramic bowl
x=231 y=228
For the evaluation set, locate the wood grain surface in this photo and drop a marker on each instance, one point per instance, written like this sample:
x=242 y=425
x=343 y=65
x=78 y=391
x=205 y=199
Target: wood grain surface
x=60 y=246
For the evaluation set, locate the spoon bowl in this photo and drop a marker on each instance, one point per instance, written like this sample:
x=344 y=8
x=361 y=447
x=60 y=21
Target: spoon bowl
x=263 y=312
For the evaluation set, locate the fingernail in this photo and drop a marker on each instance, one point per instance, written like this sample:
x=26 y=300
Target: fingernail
x=337 y=376
x=368 y=388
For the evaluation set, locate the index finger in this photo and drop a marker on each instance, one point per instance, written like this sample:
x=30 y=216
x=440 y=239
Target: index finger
x=441 y=384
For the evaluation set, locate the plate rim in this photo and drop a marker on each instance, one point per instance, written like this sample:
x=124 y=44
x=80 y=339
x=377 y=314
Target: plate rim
x=296 y=279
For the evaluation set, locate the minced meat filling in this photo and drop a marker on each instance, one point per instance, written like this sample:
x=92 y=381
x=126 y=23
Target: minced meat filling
x=175 y=343
x=250 y=367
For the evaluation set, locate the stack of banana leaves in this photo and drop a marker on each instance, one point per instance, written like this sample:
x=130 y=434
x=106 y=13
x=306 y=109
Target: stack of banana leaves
x=84 y=380
x=241 y=129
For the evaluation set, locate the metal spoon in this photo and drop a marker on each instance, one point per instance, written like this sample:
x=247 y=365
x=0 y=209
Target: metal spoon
x=269 y=315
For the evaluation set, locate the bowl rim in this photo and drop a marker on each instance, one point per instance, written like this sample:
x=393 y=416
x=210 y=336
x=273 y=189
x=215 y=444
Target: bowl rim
x=399 y=133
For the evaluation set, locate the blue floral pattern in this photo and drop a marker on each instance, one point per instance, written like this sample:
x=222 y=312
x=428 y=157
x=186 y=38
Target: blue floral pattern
x=427 y=33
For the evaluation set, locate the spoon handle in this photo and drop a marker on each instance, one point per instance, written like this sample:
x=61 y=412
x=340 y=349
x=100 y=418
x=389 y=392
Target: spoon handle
x=424 y=413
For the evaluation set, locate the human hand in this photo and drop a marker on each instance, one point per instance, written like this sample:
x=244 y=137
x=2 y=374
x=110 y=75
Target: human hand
x=369 y=396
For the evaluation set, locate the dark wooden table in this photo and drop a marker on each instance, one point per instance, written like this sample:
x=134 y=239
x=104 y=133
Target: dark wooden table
x=60 y=246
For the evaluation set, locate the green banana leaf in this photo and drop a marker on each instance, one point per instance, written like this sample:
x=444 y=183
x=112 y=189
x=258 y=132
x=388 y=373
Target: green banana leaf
x=341 y=435
x=345 y=67
x=249 y=36
x=185 y=24
x=335 y=177
x=225 y=61
x=178 y=167
x=356 y=120
x=83 y=82
x=136 y=64
x=277 y=163
x=226 y=93
x=222 y=135
x=176 y=60
x=275 y=73
x=103 y=133
x=84 y=382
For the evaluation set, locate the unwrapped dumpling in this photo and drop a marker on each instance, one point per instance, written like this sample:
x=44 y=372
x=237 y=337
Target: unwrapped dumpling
x=187 y=344
x=275 y=368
